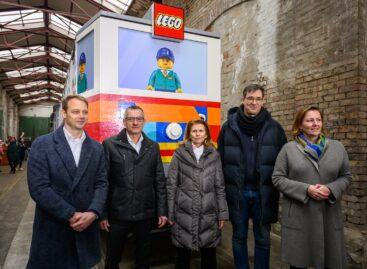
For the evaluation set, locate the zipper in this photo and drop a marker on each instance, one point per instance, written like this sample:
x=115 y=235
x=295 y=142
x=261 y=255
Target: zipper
x=252 y=138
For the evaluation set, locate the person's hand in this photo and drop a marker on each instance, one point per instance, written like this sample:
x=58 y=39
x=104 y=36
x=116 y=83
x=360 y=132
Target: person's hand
x=324 y=190
x=221 y=224
x=84 y=221
x=75 y=217
x=170 y=222
x=315 y=193
x=162 y=221
x=104 y=225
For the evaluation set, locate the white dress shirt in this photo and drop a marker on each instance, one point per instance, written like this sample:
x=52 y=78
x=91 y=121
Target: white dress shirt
x=75 y=144
x=198 y=152
x=136 y=146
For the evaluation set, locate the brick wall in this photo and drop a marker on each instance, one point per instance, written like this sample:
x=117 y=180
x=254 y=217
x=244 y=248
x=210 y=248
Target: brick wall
x=305 y=53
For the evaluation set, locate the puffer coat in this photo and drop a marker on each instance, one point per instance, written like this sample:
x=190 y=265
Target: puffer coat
x=196 y=198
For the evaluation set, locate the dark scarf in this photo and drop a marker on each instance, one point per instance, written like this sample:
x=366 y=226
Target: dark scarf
x=251 y=125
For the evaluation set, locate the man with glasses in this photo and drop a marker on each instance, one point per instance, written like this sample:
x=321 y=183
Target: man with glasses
x=249 y=143
x=137 y=192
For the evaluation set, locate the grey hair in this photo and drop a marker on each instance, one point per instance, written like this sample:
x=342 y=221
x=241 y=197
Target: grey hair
x=134 y=107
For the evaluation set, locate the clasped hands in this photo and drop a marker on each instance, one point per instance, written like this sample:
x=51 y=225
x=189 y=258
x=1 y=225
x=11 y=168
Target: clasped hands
x=81 y=220
x=318 y=192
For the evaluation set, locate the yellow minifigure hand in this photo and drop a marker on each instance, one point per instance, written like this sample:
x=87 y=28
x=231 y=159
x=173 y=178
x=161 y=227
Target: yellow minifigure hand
x=150 y=88
x=179 y=90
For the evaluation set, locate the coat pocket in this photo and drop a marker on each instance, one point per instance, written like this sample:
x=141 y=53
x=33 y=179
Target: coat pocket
x=292 y=215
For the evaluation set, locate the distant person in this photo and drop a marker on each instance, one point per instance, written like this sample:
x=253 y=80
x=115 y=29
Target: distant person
x=137 y=194
x=12 y=154
x=1 y=152
x=196 y=197
x=67 y=180
x=249 y=143
x=22 y=147
x=312 y=172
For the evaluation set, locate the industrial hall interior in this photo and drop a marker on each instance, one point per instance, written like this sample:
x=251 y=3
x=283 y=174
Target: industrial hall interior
x=183 y=134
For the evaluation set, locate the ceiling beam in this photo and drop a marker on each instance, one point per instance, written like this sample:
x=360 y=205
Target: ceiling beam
x=47 y=10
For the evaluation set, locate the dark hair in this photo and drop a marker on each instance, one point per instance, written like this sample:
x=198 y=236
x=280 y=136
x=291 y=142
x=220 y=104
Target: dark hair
x=208 y=141
x=300 y=116
x=66 y=99
x=134 y=107
x=253 y=87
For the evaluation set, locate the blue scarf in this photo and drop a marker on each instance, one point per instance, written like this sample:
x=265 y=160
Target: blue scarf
x=313 y=150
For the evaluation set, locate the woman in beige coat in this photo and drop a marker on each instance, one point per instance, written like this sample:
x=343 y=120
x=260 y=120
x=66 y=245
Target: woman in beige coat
x=197 y=204
x=312 y=172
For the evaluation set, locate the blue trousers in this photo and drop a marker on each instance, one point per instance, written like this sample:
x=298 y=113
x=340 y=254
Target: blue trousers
x=251 y=209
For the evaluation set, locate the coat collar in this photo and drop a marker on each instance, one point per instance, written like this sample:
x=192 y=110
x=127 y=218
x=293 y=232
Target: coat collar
x=64 y=151
x=122 y=142
x=190 y=156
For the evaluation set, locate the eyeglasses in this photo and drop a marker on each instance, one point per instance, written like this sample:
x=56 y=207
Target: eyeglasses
x=252 y=99
x=132 y=119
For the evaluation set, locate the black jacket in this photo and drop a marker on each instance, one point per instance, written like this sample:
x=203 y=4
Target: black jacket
x=271 y=138
x=137 y=189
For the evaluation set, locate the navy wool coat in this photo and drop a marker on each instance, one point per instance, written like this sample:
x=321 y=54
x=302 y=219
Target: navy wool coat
x=59 y=189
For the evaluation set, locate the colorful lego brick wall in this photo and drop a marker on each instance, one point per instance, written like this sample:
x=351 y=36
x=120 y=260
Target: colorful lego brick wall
x=106 y=115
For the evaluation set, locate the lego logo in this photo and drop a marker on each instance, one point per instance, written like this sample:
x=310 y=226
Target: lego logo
x=169 y=21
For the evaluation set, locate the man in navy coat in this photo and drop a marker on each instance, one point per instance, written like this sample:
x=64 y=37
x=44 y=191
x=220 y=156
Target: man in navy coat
x=67 y=180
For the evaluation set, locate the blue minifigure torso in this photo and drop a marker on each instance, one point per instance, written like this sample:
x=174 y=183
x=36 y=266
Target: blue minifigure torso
x=160 y=82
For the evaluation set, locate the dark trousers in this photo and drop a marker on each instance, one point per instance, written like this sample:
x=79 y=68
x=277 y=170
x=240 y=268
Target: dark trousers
x=251 y=209
x=13 y=165
x=20 y=163
x=208 y=258
x=117 y=237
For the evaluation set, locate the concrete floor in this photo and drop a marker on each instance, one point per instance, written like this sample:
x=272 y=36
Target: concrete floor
x=16 y=219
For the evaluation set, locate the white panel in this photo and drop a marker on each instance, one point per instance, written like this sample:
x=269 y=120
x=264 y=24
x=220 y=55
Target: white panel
x=106 y=61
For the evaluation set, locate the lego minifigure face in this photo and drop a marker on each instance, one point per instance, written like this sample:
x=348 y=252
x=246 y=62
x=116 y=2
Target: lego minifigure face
x=81 y=68
x=165 y=64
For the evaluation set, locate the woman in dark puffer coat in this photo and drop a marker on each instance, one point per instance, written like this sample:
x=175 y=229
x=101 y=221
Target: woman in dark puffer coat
x=196 y=197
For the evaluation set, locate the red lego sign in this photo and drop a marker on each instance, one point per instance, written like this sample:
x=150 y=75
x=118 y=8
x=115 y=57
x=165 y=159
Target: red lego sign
x=168 y=22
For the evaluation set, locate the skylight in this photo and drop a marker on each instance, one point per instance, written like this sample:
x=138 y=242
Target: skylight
x=58 y=72
x=119 y=6
x=62 y=23
x=30 y=84
x=21 y=19
x=27 y=71
x=6 y=55
x=59 y=54
x=57 y=84
x=33 y=93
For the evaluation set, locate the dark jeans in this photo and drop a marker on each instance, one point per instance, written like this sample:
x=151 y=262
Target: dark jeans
x=208 y=258
x=251 y=208
x=13 y=165
x=117 y=237
x=20 y=163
